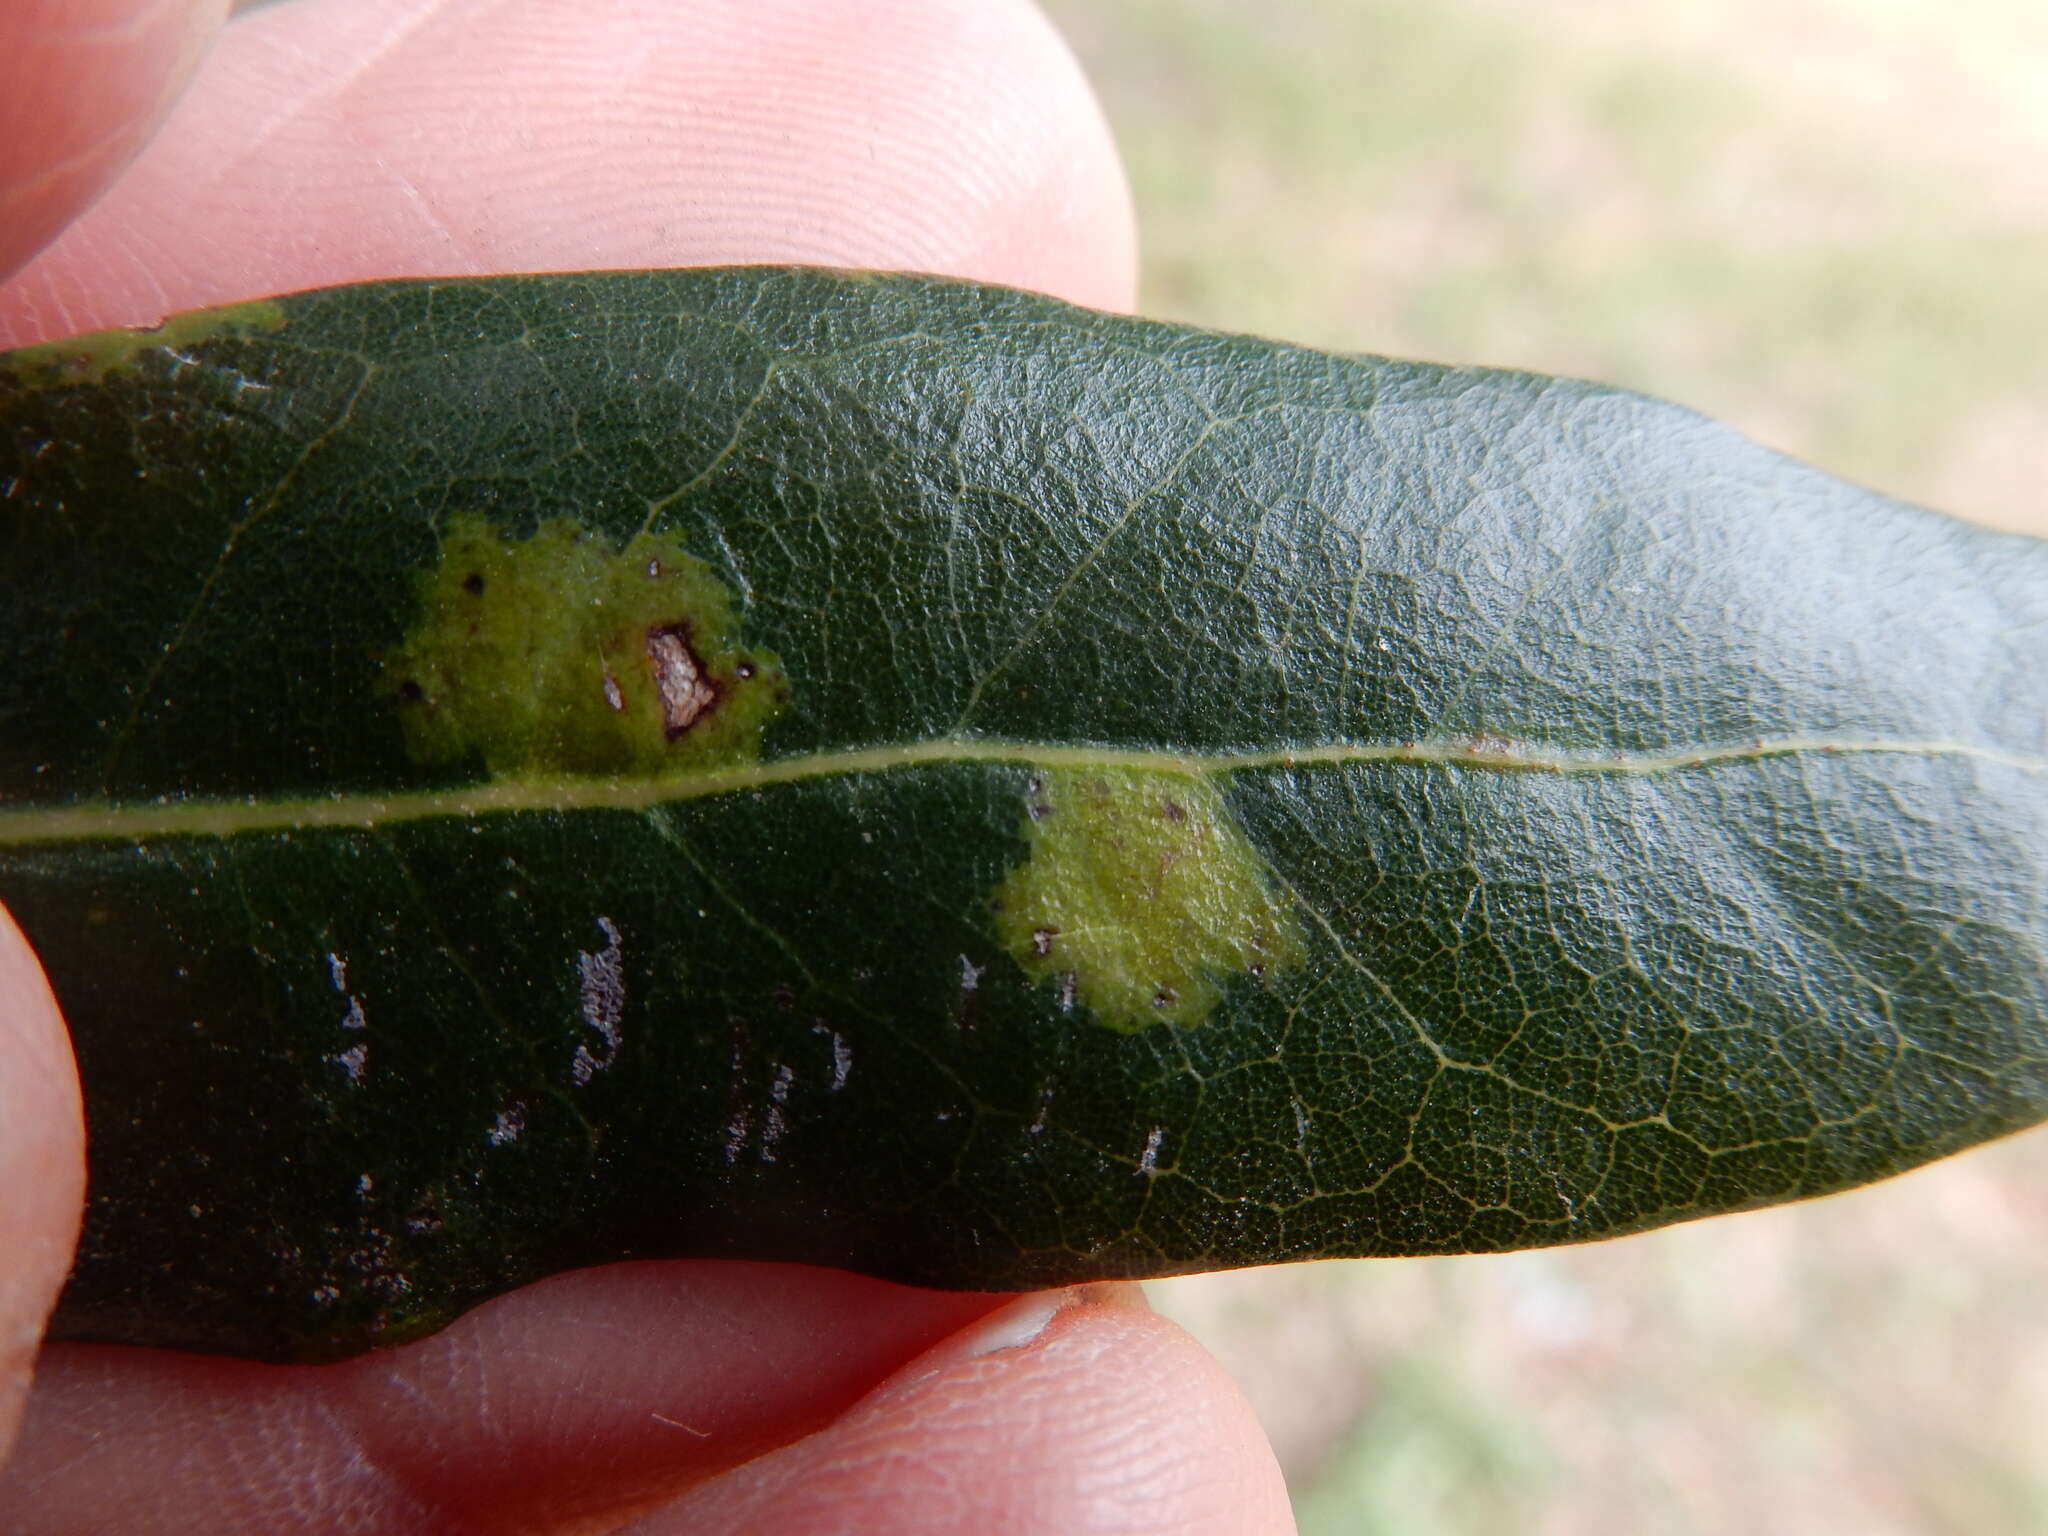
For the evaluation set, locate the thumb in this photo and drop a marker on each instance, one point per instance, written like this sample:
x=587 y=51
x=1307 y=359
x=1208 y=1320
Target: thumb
x=1070 y=1412
x=83 y=83
x=42 y=1165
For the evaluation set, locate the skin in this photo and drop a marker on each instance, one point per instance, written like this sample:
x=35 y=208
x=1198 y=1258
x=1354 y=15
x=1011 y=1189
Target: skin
x=325 y=141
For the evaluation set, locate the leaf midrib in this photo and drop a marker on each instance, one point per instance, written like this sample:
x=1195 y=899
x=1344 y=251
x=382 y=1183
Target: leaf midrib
x=233 y=817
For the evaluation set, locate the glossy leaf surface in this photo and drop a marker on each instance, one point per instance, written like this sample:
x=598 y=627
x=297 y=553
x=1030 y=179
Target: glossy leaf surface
x=889 y=773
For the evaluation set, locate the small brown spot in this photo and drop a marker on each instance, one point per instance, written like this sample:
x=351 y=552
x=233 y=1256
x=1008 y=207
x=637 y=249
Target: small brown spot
x=473 y=584
x=1165 y=997
x=743 y=671
x=1041 y=940
x=686 y=693
x=654 y=570
x=411 y=691
x=1171 y=810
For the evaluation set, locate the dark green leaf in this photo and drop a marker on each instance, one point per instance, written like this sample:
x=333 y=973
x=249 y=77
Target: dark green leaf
x=891 y=773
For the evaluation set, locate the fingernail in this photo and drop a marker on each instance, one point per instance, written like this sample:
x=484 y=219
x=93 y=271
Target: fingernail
x=1013 y=1326
x=1021 y=1321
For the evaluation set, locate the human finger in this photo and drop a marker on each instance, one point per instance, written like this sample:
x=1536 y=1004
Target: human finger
x=332 y=142
x=82 y=84
x=1055 y=1415
x=568 y=1402
x=42 y=1165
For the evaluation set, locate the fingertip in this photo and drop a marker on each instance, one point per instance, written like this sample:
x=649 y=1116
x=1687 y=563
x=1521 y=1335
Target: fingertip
x=1056 y=1413
x=83 y=83
x=42 y=1165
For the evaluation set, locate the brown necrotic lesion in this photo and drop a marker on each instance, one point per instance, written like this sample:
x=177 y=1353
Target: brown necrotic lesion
x=679 y=680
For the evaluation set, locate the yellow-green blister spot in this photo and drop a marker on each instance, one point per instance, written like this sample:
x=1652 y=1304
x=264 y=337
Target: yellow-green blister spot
x=90 y=358
x=559 y=654
x=1142 y=897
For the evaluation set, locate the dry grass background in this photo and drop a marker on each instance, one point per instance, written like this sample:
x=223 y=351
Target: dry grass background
x=1827 y=222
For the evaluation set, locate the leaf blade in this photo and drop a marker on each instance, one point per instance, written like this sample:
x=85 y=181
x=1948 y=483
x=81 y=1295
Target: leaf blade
x=1664 y=821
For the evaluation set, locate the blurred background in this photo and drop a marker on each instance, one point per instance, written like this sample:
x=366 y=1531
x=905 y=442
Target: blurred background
x=1827 y=222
